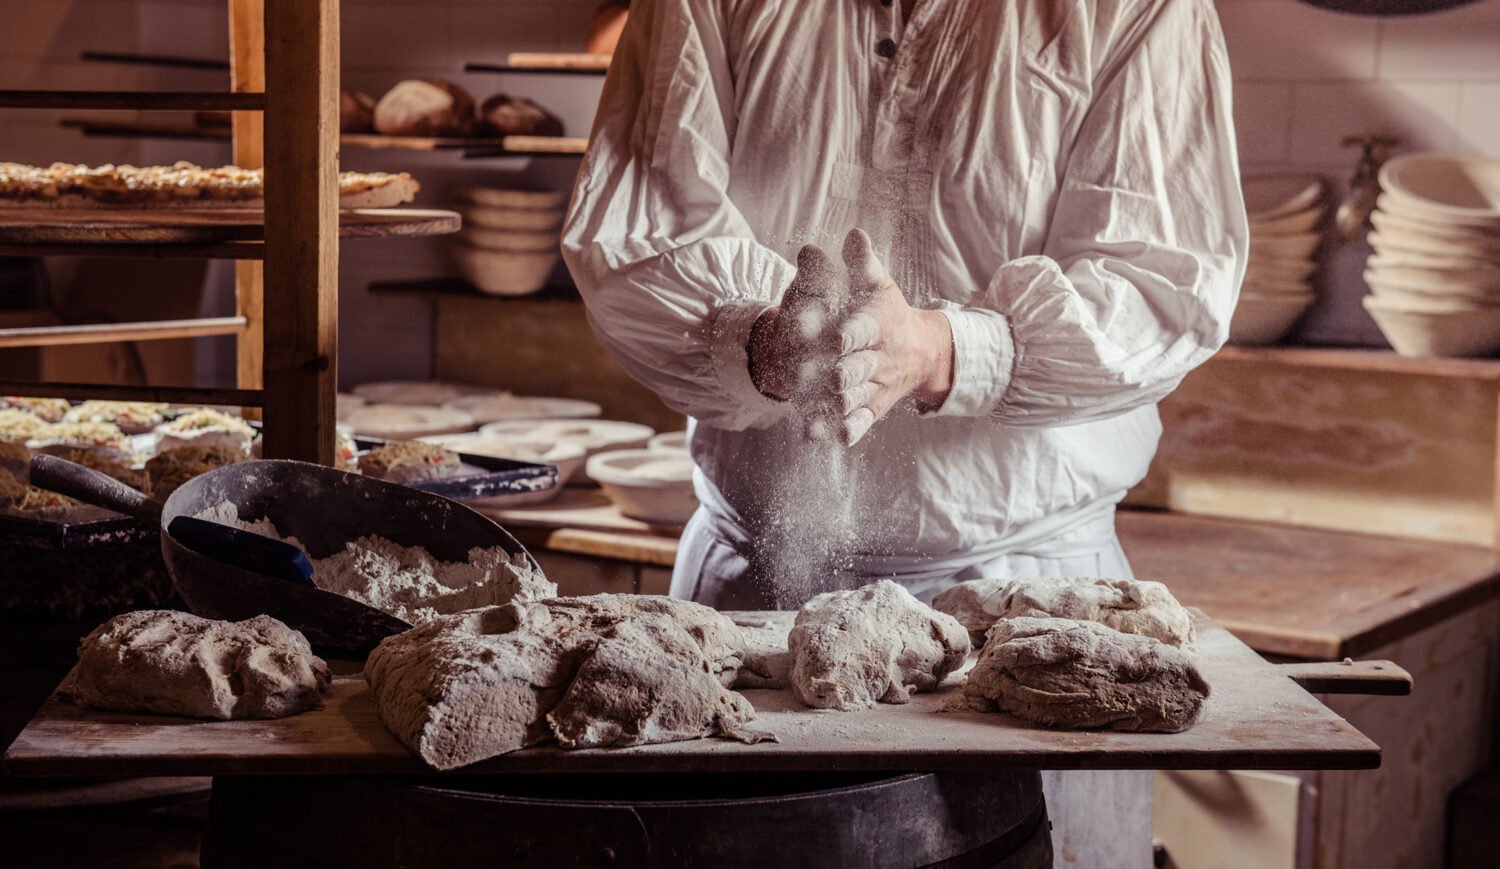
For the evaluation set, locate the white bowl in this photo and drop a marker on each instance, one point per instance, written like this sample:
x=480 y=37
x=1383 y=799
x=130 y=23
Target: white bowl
x=1387 y=283
x=1421 y=230
x=650 y=485
x=1435 y=218
x=669 y=441
x=1265 y=319
x=1296 y=247
x=505 y=272
x=1271 y=196
x=529 y=219
x=1296 y=222
x=525 y=200
x=407 y=421
x=1429 y=332
x=497 y=406
x=510 y=239
x=1431 y=253
x=1280 y=271
x=596 y=435
x=1480 y=280
x=1461 y=189
x=429 y=392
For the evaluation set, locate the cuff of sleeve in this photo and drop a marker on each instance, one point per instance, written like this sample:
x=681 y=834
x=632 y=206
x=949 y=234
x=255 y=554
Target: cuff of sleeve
x=984 y=356
x=731 y=361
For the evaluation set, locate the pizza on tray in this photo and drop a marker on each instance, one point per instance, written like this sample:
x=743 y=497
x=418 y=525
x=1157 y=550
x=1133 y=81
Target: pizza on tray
x=181 y=185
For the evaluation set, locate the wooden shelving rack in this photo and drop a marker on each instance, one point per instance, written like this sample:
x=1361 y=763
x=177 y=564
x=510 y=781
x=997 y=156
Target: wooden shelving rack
x=284 y=98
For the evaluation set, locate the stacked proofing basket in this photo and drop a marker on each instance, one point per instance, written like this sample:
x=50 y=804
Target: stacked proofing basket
x=1286 y=214
x=1435 y=274
x=509 y=243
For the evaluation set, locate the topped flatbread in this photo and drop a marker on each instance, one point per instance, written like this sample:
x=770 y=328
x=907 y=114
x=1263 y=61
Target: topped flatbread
x=181 y=185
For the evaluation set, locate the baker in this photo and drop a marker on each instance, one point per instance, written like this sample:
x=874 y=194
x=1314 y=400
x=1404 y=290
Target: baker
x=1051 y=235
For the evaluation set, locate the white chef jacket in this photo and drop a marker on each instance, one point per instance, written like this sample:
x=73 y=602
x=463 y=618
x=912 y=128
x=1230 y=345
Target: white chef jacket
x=1058 y=177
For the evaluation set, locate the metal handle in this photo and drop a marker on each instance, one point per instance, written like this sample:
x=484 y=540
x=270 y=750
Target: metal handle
x=91 y=487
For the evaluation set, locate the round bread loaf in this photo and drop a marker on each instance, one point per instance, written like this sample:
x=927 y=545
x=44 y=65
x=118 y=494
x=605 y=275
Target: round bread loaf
x=425 y=107
x=505 y=115
x=356 y=112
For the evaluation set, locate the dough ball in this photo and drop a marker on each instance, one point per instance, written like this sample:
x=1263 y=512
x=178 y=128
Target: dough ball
x=175 y=663
x=852 y=649
x=1077 y=675
x=1128 y=605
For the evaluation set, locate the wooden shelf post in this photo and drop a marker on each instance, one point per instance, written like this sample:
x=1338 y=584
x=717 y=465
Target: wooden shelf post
x=301 y=261
x=247 y=71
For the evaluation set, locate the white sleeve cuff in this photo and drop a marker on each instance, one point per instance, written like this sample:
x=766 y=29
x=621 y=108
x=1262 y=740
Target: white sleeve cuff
x=727 y=346
x=984 y=355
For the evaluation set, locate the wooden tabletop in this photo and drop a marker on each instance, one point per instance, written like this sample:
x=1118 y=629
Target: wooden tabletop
x=1302 y=593
x=1256 y=718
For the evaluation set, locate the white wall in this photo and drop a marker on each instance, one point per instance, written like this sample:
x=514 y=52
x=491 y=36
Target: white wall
x=1306 y=77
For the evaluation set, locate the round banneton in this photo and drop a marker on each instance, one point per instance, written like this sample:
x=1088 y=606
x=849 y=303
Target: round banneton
x=1444 y=186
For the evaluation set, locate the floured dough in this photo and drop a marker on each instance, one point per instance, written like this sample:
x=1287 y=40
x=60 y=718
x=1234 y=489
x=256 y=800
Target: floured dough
x=176 y=663
x=767 y=660
x=1082 y=675
x=603 y=670
x=1128 y=605
x=851 y=649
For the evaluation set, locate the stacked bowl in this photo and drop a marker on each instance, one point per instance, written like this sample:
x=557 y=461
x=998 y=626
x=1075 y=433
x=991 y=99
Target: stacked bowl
x=509 y=243
x=1286 y=215
x=1435 y=273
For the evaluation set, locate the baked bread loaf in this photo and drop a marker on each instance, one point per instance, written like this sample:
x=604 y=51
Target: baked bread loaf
x=425 y=107
x=356 y=112
x=505 y=115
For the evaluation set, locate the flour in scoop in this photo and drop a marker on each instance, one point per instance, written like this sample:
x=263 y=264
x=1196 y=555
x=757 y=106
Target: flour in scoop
x=408 y=581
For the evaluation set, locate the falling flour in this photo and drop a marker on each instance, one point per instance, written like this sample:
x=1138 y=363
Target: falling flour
x=408 y=581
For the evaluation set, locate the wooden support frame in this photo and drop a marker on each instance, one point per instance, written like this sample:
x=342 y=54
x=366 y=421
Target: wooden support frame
x=301 y=263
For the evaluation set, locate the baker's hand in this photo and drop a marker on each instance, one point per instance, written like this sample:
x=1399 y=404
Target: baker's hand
x=787 y=342
x=888 y=350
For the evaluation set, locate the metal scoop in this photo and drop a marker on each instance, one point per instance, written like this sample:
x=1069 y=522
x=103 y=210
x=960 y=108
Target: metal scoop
x=322 y=507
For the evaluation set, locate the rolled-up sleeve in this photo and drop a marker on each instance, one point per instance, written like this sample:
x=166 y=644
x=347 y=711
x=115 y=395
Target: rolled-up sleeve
x=672 y=275
x=1139 y=273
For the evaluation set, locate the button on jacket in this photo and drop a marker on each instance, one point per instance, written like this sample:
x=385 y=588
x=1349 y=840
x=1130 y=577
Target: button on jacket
x=1058 y=177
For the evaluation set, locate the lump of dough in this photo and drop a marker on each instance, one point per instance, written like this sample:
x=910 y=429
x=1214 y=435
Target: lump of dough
x=175 y=663
x=767 y=660
x=851 y=649
x=1079 y=675
x=603 y=670
x=1128 y=605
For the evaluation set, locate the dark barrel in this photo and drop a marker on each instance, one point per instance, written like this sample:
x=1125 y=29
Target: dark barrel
x=822 y=820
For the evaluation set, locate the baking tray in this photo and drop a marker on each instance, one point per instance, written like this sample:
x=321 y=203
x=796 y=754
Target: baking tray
x=487 y=476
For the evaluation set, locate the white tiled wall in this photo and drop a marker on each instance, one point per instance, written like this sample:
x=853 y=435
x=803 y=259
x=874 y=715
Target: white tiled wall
x=1305 y=78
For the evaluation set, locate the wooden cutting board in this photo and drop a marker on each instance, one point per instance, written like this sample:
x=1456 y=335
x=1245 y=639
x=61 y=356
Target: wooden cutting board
x=1256 y=718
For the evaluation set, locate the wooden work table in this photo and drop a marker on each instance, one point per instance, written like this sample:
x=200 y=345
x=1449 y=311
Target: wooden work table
x=1285 y=591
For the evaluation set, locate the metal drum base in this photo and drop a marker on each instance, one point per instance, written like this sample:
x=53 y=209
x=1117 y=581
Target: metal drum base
x=823 y=820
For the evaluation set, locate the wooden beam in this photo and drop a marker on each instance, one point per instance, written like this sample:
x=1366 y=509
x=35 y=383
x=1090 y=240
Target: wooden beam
x=130 y=101
x=132 y=392
x=109 y=333
x=247 y=72
x=301 y=264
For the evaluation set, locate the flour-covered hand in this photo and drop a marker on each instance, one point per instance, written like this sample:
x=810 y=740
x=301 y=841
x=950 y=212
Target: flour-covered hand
x=888 y=350
x=787 y=341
